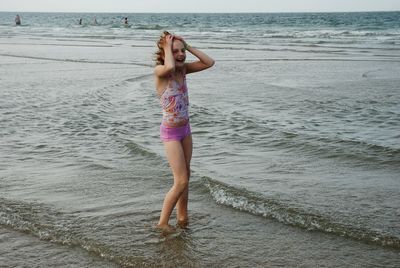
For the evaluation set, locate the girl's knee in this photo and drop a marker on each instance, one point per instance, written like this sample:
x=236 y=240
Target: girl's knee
x=181 y=184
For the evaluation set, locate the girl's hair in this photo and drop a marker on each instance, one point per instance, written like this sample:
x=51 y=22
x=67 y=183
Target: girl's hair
x=159 y=55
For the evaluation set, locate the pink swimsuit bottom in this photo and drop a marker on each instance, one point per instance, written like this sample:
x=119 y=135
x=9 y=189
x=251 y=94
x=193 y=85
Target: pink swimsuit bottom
x=174 y=133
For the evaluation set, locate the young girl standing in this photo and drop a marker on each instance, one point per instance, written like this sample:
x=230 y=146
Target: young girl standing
x=170 y=78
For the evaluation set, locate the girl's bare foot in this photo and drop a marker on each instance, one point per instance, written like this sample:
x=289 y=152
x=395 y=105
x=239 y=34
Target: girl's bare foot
x=183 y=224
x=165 y=229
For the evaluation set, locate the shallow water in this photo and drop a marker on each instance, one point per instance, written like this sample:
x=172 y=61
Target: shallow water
x=296 y=144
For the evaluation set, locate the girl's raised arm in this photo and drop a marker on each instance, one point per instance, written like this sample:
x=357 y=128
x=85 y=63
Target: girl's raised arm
x=169 y=61
x=203 y=63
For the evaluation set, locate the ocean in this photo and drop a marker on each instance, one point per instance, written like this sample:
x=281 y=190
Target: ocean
x=296 y=134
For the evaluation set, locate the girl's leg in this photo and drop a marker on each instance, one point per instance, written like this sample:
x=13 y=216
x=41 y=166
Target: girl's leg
x=182 y=204
x=176 y=158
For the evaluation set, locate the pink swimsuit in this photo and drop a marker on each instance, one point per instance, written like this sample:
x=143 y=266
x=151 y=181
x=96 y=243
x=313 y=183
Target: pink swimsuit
x=175 y=105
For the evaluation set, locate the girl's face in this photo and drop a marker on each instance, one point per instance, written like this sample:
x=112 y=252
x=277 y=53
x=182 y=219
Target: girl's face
x=179 y=52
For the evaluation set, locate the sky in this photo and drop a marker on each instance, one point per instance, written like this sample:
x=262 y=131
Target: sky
x=220 y=6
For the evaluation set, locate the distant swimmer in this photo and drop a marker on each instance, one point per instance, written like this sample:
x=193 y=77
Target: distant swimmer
x=95 y=21
x=80 y=21
x=17 y=20
x=126 y=21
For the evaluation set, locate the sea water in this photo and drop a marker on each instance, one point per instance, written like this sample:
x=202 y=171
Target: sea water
x=296 y=135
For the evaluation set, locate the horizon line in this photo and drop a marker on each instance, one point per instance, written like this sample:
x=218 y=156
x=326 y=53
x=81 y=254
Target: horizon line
x=191 y=12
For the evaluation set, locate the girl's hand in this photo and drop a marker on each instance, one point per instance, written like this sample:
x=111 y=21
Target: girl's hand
x=180 y=38
x=168 y=41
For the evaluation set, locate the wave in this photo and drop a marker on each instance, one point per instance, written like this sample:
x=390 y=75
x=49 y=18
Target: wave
x=351 y=150
x=312 y=59
x=259 y=205
x=149 y=27
x=277 y=49
x=139 y=150
x=345 y=46
x=56 y=44
x=56 y=227
x=328 y=34
x=139 y=78
x=266 y=134
x=75 y=61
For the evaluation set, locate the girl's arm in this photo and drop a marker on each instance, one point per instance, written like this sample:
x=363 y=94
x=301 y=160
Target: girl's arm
x=169 y=61
x=203 y=63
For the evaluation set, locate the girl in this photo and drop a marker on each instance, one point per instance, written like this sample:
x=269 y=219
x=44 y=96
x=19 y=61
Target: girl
x=170 y=78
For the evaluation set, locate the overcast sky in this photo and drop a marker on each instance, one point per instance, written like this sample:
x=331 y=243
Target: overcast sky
x=126 y=6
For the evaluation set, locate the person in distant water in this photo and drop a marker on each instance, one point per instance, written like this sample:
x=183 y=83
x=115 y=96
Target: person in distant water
x=170 y=79
x=95 y=21
x=126 y=21
x=80 y=21
x=17 y=20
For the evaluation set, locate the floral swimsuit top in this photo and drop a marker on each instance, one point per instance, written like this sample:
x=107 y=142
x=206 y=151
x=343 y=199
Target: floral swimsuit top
x=175 y=103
